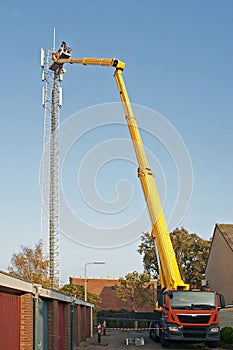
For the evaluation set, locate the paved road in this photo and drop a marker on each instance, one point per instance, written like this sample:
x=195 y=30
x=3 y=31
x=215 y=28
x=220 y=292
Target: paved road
x=116 y=340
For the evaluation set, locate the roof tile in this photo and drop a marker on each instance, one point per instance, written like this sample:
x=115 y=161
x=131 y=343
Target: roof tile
x=227 y=232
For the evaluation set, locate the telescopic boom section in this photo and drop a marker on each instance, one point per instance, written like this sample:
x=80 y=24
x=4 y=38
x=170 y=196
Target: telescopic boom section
x=107 y=62
x=169 y=271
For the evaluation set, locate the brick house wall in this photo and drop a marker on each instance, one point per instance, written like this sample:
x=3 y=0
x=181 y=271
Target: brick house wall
x=26 y=322
x=104 y=287
x=67 y=325
x=77 y=325
x=219 y=271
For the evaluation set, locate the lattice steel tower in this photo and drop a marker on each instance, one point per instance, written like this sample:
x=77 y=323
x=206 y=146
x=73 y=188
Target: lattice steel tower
x=50 y=168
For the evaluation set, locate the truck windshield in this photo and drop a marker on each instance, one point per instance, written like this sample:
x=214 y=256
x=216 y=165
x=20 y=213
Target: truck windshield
x=192 y=300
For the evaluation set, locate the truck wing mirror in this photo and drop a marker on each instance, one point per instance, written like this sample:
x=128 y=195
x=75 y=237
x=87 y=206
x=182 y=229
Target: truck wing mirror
x=221 y=301
x=160 y=300
x=170 y=294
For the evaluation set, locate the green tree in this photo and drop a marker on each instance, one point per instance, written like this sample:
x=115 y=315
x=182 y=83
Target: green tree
x=78 y=292
x=136 y=288
x=191 y=254
x=30 y=265
x=147 y=249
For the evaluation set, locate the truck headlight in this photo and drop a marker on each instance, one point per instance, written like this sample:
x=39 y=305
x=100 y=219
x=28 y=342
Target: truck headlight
x=174 y=329
x=214 y=330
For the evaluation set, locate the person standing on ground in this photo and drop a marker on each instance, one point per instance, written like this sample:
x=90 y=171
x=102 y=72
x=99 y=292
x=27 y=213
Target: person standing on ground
x=99 y=332
x=104 y=325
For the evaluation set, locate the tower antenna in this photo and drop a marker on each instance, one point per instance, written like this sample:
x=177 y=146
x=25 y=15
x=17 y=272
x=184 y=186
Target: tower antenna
x=50 y=169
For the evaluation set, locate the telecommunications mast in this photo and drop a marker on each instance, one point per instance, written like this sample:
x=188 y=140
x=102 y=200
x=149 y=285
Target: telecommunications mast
x=50 y=174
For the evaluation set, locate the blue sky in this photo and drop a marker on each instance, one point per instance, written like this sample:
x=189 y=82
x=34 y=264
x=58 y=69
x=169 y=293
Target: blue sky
x=178 y=58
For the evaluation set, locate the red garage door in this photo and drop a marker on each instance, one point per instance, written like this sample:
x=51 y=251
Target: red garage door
x=61 y=326
x=9 y=321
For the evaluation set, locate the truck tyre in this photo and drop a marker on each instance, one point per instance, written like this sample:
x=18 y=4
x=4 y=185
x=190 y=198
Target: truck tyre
x=212 y=344
x=163 y=342
x=156 y=333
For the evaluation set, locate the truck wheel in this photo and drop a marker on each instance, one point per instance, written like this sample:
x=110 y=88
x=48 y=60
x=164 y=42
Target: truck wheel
x=212 y=344
x=163 y=342
x=156 y=333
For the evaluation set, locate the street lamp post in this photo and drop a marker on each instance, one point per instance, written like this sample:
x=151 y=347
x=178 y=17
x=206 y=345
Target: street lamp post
x=85 y=274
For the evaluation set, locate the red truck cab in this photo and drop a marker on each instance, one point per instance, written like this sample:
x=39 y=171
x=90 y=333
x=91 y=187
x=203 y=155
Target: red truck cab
x=189 y=316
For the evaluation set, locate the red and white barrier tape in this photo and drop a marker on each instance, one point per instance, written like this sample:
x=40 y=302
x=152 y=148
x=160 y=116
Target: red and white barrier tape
x=132 y=329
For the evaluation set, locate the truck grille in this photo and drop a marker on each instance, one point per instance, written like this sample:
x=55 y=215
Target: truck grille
x=194 y=332
x=200 y=319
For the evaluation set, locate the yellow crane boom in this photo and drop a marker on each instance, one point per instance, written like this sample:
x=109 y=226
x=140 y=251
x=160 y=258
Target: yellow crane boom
x=169 y=271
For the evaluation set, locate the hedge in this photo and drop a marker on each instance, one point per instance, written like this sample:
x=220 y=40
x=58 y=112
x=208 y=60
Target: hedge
x=227 y=335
